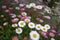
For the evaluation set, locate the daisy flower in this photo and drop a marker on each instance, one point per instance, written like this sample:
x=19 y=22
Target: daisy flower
x=17 y=1
x=7 y=10
x=28 y=6
x=38 y=26
x=51 y=34
x=27 y=20
x=44 y=29
x=32 y=4
x=31 y=25
x=41 y=21
x=12 y=15
x=6 y=23
x=24 y=14
x=47 y=17
x=21 y=5
x=18 y=30
x=17 y=8
x=34 y=35
x=15 y=38
x=52 y=39
x=29 y=17
x=21 y=23
x=2 y=15
x=47 y=9
x=47 y=26
x=39 y=7
x=14 y=20
x=14 y=25
x=4 y=6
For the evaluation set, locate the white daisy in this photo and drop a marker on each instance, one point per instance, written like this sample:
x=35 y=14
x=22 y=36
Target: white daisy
x=32 y=4
x=44 y=29
x=29 y=17
x=27 y=20
x=52 y=39
x=34 y=35
x=2 y=15
x=18 y=30
x=31 y=25
x=14 y=25
x=39 y=7
x=47 y=26
x=24 y=14
x=6 y=23
x=28 y=6
x=38 y=26
x=17 y=8
x=21 y=23
x=13 y=16
x=47 y=9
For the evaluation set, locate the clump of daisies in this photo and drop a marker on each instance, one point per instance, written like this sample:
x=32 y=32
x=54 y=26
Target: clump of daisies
x=34 y=6
x=29 y=15
x=26 y=22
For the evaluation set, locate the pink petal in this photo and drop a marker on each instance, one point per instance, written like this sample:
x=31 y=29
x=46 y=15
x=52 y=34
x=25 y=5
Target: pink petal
x=14 y=38
x=17 y=1
x=48 y=17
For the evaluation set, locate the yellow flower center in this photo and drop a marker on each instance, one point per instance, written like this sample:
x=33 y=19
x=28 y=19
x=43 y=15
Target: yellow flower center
x=39 y=7
x=15 y=25
x=44 y=29
x=34 y=35
x=27 y=20
x=21 y=23
x=41 y=20
x=38 y=26
x=24 y=14
x=31 y=24
x=18 y=30
x=33 y=4
x=14 y=38
x=46 y=26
